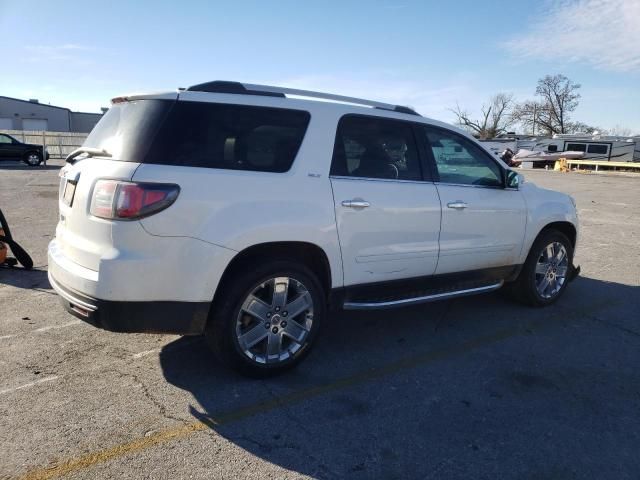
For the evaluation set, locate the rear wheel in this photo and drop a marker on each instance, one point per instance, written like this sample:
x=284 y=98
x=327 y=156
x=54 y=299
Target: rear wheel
x=546 y=272
x=265 y=322
x=33 y=159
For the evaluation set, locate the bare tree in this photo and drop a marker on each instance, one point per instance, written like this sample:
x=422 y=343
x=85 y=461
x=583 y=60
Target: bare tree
x=581 y=127
x=527 y=114
x=550 y=113
x=495 y=117
x=620 y=131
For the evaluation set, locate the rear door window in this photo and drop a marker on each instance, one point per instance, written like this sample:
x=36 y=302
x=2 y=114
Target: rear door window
x=369 y=147
x=233 y=137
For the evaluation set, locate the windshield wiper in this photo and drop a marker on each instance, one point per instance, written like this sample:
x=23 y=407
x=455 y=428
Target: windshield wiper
x=90 y=151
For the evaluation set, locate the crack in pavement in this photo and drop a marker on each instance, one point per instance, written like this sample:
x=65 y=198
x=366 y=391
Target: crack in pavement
x=597 y=319
x=207 y=421
x=147 y=394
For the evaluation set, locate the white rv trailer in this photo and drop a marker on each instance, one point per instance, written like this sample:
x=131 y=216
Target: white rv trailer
x=595 y=147
x=498 y=145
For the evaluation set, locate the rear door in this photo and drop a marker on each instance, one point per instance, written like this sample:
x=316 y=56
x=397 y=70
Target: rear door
x=388 y=216
x=483 y=223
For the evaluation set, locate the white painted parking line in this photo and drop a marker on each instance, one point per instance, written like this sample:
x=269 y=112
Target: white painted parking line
x=31 y=384
x=171 y=348
x=42 y=329
x=146 y=352
x=53 y=327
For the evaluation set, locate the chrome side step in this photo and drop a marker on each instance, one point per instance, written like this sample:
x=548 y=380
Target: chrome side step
x=424 y=299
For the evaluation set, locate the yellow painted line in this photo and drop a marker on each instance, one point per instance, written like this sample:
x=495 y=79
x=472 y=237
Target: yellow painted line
x=163 y=436
x=85 y=461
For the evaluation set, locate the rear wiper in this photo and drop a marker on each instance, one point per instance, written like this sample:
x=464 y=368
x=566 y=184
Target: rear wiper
x=91 y=152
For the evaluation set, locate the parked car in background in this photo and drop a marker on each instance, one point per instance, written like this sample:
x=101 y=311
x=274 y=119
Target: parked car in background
x=237 y=212
x=12 y=149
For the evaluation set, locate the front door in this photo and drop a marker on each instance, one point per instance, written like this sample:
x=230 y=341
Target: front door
x=388 y=217
x=7 y=147
x=483 y=223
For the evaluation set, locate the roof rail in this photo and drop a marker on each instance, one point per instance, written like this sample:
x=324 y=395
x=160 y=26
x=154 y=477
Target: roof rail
x=220 y=86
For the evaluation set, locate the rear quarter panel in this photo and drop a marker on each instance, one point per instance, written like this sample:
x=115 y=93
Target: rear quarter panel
x=238 y=209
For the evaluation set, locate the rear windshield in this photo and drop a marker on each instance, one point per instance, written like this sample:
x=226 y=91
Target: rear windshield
x=206 y=135
x=127 y=129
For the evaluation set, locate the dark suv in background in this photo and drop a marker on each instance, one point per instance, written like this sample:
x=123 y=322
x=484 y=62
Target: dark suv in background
x=12 y=149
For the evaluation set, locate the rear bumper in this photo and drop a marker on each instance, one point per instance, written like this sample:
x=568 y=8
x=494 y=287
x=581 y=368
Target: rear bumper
x=182 y=318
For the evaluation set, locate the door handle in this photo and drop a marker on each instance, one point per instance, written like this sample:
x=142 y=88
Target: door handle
x=356 y=203
x=458 y=205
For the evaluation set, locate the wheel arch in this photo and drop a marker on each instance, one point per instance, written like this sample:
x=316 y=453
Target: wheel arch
x=31 y=150
x=307 y=253
x=564 y=227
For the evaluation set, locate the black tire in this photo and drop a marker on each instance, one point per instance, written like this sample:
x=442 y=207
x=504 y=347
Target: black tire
x=524 y=288
x=30 y=158
x=221 y=333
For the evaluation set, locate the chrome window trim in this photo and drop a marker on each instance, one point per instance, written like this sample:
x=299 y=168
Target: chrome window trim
x=473 y=186
x=391 y=180
x=388 y=180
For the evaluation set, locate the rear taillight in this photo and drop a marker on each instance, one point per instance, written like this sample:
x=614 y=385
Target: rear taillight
x=116 y=200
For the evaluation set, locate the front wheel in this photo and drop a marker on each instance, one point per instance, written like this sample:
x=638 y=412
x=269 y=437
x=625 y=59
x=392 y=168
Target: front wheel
x=33 y=159
x=266 y=321
x=547 y=270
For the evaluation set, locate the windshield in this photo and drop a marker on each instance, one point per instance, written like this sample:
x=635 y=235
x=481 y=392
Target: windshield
x=127 y=129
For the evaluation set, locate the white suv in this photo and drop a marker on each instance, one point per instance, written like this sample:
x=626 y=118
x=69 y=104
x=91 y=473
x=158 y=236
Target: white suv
x=239 y=212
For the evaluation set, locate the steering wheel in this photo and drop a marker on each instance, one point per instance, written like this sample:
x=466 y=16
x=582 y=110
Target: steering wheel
x=394 y=173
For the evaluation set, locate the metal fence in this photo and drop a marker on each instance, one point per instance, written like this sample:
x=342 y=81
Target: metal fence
x=58 y=144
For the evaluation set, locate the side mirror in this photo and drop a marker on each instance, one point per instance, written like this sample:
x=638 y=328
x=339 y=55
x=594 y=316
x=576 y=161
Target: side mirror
x=514 y=179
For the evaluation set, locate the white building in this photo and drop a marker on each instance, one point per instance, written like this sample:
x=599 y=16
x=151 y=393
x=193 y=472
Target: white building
x=16 y=114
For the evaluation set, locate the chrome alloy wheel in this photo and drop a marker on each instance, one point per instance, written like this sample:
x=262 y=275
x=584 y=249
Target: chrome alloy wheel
x=551 y=270
x=274 y=320
x=33 y=159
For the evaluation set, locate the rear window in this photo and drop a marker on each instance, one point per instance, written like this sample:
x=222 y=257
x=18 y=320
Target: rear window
x=234 y=137
x=127 y=129
x=196 y=134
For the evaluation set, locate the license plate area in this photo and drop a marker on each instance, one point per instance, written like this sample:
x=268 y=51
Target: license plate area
x=69 y=192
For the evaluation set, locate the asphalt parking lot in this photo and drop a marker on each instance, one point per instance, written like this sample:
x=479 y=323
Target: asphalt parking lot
x=477 y=387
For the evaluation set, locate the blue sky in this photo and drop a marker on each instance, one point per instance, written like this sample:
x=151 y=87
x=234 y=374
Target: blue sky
x=426 y=54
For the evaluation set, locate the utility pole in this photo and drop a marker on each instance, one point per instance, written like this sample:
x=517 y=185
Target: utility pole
x=535 y=111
